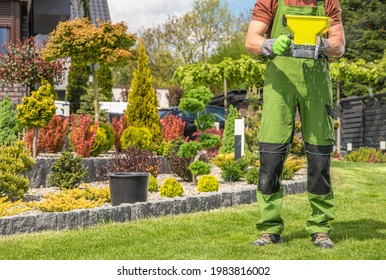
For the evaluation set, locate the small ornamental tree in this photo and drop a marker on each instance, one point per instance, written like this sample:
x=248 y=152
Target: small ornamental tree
x=194 y=101
x=81 y=40
x=142 y=108
x=37 y=110
x=23 y=63
x=9 y=124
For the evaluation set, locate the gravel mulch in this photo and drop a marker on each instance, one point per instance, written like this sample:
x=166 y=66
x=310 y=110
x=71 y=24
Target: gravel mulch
x=189 y=188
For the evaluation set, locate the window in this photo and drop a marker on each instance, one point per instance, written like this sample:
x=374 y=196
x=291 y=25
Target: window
x=3 y=37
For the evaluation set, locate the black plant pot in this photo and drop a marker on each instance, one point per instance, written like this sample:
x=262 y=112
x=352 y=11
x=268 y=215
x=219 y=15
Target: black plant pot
x=128 y=187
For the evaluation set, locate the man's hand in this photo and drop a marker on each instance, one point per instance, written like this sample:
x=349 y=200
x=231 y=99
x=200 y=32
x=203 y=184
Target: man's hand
x=276 y=46
x=281 y=45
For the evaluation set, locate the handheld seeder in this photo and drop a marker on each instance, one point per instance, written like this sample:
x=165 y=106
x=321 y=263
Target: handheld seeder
x=307 y=33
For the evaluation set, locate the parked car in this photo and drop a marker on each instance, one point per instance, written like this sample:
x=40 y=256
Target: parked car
x=190 y=117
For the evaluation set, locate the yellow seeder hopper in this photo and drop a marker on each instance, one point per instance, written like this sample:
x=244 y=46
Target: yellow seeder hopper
x=307 y=33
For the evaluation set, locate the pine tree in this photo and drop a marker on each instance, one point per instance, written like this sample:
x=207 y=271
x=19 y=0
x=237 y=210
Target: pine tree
x=142 y=108
x=105 y=82
x=9 y=124
x=77 y=85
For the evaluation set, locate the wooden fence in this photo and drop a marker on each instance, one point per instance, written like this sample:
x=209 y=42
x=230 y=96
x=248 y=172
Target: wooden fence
x=363 y=121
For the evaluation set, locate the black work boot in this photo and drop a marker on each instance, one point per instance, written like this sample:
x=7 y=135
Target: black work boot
x=267 y=238
x=322 y=240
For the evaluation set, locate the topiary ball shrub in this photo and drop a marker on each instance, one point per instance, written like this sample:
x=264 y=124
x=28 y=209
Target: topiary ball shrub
x=171 y=188
x=199 y=167
x=67 y=171
x=208 y=183
x=153 y=184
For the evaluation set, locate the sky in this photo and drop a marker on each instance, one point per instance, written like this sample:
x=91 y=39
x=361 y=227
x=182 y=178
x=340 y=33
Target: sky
x=139 y=14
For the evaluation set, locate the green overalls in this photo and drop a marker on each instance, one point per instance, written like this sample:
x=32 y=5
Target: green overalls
x=304 y=84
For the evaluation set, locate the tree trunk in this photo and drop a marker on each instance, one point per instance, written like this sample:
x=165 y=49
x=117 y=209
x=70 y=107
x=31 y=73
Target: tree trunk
x=96 y=94
x=35 y=143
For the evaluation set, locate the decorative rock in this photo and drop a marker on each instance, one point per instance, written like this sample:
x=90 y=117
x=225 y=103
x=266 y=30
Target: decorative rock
x=122 y=213
x=46 y=221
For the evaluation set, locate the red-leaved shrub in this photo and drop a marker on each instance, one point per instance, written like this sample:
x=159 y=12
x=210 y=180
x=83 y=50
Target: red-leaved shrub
x=119 y=126
x=82 y=135
x=172 y=128
x=51 y=137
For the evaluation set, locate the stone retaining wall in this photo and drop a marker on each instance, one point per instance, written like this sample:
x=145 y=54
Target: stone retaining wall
x=38 y=176
x=130 y=212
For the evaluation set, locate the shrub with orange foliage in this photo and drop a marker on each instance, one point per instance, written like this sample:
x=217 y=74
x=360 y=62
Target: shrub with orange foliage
x=172 y=128
x=82 y=135
x=51 y=137
x=119 y=126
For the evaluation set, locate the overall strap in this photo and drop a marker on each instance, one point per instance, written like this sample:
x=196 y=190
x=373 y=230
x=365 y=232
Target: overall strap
x=320 y=8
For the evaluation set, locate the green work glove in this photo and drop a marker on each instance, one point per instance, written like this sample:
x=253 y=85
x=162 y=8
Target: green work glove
x=276 y=46
x=281 y=45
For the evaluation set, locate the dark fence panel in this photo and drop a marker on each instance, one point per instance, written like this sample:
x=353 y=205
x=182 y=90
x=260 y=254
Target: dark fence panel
x=363 y=121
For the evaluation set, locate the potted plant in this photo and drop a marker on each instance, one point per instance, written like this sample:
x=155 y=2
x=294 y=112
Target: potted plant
x=128 y=172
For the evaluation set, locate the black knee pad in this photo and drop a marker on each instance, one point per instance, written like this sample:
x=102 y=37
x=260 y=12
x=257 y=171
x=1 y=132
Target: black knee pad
x=272 y=158
x=318 y=169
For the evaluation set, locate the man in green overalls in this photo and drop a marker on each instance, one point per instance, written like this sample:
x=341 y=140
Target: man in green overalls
x=291 y=83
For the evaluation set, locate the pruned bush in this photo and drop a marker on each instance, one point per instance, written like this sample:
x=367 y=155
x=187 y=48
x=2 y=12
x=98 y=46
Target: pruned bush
x=199 y=167
x=137 y=137
x=67 y=171
x=14 y=163
x=208 y=183
x=153 y=184
x=171 y=188
x=104 y=139
x=189 y=149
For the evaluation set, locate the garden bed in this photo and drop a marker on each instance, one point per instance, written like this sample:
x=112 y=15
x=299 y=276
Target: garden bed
x=229 y=194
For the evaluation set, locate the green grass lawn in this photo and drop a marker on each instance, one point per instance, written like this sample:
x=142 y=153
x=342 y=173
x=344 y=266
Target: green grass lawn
x=227 y=234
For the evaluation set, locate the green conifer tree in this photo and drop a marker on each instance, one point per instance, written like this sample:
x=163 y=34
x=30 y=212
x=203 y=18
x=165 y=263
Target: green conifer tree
x=9 y=124
x=228 y=140
x=77 y=85
x=105 y=82
x=142 y=108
